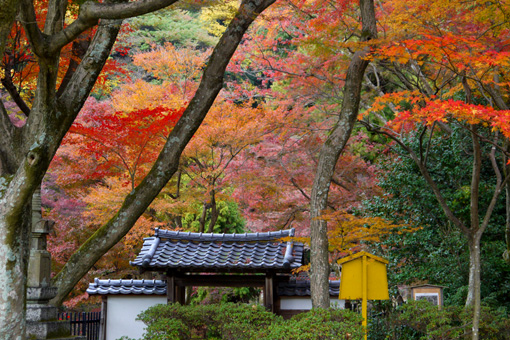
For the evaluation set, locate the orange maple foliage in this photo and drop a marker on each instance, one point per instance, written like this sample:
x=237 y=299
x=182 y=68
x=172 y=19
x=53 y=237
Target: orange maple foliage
x=180 y=68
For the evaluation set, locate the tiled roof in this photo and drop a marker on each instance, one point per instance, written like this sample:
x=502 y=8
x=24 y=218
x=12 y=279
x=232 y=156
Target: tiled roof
x=219 y=252
x=138 y=287
x=158 y=287
x=302 y=288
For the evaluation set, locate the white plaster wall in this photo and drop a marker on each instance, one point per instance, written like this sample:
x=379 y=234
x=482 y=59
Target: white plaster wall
x=293 y=303
x=122 y=311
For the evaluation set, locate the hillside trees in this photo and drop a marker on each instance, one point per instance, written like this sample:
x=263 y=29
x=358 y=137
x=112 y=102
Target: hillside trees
x=27 y=151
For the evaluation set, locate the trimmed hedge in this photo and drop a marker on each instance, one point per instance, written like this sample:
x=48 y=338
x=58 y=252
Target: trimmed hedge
x=230 y=321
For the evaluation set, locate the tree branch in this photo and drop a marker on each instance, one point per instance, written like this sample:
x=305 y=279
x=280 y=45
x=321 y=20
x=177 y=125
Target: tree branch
x=55 y=17
x=426 y=175
x=79 y=48
x=34 y=34
x=475 y=182
x=91 y=12
x=500 y=183
x=8 y=161
x=73 y=96
x=11 y=88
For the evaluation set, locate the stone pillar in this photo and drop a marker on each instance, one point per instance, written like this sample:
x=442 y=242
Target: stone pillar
x=41 y=316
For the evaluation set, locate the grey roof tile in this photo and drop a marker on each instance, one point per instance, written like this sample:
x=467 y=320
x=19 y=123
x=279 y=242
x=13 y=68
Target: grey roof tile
x=201 y=251
x=117 y=287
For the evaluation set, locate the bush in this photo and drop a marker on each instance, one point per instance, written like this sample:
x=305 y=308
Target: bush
x=244 y=322
x=217 y=321
x=454 y=322
x=422 y=320
x=317 y=324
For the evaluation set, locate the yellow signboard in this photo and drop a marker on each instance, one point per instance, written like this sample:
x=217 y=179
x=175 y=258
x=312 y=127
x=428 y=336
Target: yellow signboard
x=363 y=277
x=351 y=285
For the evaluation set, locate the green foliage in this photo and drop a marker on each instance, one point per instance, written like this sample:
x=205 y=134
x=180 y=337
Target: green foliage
x=209 y=321
x=453 y=322
x=229 y=220
x=424 y=321
x=247 y=322
x=185 y=27
x=438 y=253
x=318 y=324
x=208 y=295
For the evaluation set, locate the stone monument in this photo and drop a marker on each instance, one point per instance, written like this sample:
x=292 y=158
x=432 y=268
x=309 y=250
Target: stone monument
x=41 y=317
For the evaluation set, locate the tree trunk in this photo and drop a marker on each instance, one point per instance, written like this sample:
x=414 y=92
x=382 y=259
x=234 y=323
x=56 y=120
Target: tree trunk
x=9 y=9
x=203 y=217
x=474 y=297
x=506 y=172
x=14 y=252
x=214 y=212
x=328 y=158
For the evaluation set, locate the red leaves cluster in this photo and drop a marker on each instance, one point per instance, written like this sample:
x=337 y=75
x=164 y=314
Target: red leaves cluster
x=123 y=144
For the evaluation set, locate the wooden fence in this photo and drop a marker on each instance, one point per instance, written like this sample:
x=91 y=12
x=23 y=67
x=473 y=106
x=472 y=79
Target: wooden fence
x=83 y=324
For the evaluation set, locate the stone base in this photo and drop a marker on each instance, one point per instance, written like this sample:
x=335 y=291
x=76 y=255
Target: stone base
x=40 y=295
x=42 y=323
x=48 y=329
x=37 y=313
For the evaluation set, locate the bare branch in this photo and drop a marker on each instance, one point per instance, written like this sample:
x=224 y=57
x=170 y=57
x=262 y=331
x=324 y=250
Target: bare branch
x=500 y=183
x=13 y=91
x=55 y=17
x=475 y=182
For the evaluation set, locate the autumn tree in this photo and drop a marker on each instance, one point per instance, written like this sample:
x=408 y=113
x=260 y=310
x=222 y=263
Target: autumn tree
x=450 y=70
x=274 y=180
x=27 y=151
x=104 y=156
x=311 y=62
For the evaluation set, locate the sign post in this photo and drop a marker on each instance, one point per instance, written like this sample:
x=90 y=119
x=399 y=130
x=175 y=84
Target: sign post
x=364 y=277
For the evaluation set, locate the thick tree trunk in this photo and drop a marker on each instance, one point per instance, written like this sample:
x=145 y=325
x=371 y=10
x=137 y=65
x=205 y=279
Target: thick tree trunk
x=167 y=163
x=14 y=251
x=328 y=158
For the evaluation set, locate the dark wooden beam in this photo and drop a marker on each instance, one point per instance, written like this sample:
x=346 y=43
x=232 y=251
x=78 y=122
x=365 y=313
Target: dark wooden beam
x=170 y=289
x=269 y=293
x=180 y=294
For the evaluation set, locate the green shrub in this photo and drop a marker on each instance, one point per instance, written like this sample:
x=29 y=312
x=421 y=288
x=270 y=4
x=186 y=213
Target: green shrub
x=219 y=321
x=317 y=324
x=420 y=320
x=245 y=322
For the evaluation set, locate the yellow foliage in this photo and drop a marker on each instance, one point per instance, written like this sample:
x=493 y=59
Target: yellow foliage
x=217 y=17
x=346 y=232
